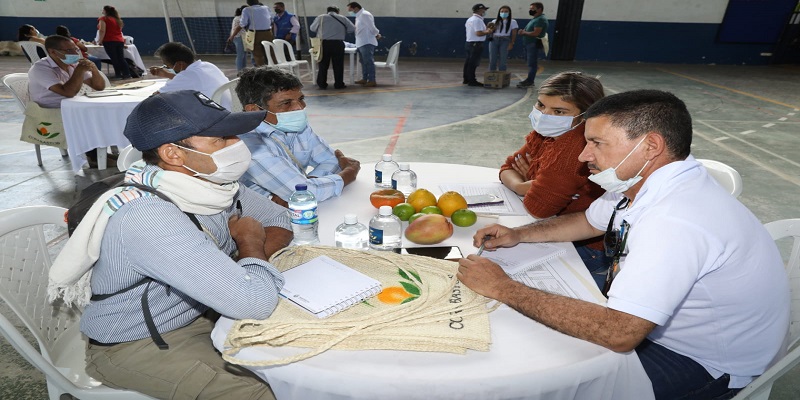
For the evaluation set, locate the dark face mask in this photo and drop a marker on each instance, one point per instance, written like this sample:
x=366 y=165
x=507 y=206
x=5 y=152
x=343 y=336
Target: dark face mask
x=532 y=12
x=278 y=11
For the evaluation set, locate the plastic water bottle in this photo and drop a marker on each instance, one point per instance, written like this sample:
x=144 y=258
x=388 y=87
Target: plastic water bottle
x=385 y=230
x=383 y=172
x=303 y=212
x=404 y=179
x=351 y=234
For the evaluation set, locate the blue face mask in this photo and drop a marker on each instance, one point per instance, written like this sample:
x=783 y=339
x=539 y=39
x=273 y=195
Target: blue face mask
x=352 y=13
x=503 y=15
x=290 y=121
x=69 y=59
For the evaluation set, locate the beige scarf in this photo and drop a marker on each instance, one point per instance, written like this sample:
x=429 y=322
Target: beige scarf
x=70 y=275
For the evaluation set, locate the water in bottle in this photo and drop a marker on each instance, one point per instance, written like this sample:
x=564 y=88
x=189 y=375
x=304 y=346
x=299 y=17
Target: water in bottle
x=404 y=179
x=351 y=234
x=303 y=212
x=383 y=172
x=385 y=230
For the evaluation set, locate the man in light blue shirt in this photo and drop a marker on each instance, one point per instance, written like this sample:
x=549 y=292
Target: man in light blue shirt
x=367 y=35
x=256 y=17
x=284 y=146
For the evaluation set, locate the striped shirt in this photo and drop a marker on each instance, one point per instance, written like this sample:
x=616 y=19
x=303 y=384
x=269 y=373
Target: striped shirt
x=150 y=237
x=272 y=170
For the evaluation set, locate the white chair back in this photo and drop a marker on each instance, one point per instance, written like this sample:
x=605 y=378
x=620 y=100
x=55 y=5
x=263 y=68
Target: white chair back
x=272 y=56
x=728 y=177
x=391 y=61
x=760 y=388
x=18 y=85
x=128 y=39
x=127 y=157
x=230 y=87
x=282 y=47
x=31 y=50
x=28 y=239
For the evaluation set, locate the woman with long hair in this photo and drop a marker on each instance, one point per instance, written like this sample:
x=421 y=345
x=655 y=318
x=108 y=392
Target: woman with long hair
x=503 y=38
x=241 y=54
x=546 y=170
x=110 y=37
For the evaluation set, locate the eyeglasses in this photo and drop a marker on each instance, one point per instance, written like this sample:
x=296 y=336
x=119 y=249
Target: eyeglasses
x=70 y=51
x=614 y=242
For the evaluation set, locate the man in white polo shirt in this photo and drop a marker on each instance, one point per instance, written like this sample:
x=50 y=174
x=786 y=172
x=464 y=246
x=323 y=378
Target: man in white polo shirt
x=476 y=36
x=700 y=290
x=187 y=73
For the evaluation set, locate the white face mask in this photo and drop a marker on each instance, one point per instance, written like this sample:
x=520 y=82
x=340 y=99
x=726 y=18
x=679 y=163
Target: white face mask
x=232 y=162
x=551 y=125
x=608 y=180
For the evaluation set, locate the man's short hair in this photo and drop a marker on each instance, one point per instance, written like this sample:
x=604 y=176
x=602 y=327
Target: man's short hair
x=279 y=3
x=55 y=41
x=539 y=6
x=173 y=52
x=252 y=2
x=639 y=112
x=257 y=85
x=62 y=30
x=333 y=9
x=354 y=4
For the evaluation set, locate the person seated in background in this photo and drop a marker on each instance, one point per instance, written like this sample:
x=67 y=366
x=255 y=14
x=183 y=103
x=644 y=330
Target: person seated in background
x=205 y=249
x=700 y=290
x=64 y=31
x=546 y=170
x=185 y=72
x=28 y=32
x=61 y=74
x=284 y=146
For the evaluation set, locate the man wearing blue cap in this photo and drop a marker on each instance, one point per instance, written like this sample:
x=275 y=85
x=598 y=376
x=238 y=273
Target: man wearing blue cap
x=153 y=260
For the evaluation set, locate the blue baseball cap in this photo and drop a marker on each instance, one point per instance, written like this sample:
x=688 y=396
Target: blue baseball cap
x=173 y=116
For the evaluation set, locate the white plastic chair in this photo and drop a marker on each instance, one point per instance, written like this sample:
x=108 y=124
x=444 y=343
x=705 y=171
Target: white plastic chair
x=272 y=61
x=236 y=105
x=281 y=47
x=31 y=50
x=760 y=388
x=127 y=157
x=728 y=177
x=26 y=235
x=128 y=39
x=391 y=61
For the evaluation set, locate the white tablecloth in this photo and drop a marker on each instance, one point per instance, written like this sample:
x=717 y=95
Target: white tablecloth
x=527 y=360
x=92 y=123
x=130 y=51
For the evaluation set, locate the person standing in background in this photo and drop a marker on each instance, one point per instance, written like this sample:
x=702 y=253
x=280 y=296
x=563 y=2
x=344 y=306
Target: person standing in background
x=503 y=38
x=332 y=33
x=367 y=35
x=64 y=31
x=110 y=37
x=256 y=17
x=286 y=26
x=531 y=38
x=237 y=39
x=476 y=35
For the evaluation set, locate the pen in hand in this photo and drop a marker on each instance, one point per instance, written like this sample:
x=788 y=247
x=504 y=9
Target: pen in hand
x=483 y=244
x=239 y=208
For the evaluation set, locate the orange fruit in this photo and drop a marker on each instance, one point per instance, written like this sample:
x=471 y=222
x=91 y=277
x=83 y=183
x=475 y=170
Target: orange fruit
x=386 y=197
x=464 y=217
x=420 y=199
x=393 y=295
x=451 y=201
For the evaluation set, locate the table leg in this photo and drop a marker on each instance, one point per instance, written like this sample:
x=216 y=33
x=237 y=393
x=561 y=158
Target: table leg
x=102 y=158
x=352 y=68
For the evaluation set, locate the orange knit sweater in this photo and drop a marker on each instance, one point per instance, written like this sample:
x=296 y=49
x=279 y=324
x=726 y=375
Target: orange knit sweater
x=560 y=183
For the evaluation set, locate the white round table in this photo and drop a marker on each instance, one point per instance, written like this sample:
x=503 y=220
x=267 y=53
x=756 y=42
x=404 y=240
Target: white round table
x=526 y=361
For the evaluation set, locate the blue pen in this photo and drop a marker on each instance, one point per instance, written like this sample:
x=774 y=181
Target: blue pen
x=483 y=244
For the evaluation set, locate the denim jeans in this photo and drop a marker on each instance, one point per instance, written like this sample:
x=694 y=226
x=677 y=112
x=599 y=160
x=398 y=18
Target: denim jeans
x=532 y=56
x=498 y=51
x=367 y=57
x=596 y=262
x=241 y=55
x=679 y=377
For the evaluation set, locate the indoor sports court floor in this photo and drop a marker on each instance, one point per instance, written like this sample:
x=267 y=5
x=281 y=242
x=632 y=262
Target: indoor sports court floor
x=745 y=116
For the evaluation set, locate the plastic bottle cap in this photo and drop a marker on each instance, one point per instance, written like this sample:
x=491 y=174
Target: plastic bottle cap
x=385 y=210
x=403 y=166
x=300 y=187
x=387 y=157
x=350 y=219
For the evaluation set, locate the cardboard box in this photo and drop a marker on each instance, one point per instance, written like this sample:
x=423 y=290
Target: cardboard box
x=496 y=79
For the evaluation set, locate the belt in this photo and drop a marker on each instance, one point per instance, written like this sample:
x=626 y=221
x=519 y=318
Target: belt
x=96 y=343
x=263 y=30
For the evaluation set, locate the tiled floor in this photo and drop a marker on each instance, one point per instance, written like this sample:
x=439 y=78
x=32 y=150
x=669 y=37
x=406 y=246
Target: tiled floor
x=747 y=117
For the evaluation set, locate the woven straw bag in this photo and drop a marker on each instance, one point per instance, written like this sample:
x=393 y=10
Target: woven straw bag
x=423 y=307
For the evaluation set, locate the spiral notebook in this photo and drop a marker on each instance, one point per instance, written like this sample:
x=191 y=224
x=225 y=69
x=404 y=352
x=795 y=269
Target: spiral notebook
x=524 y=256
x=324 y=286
